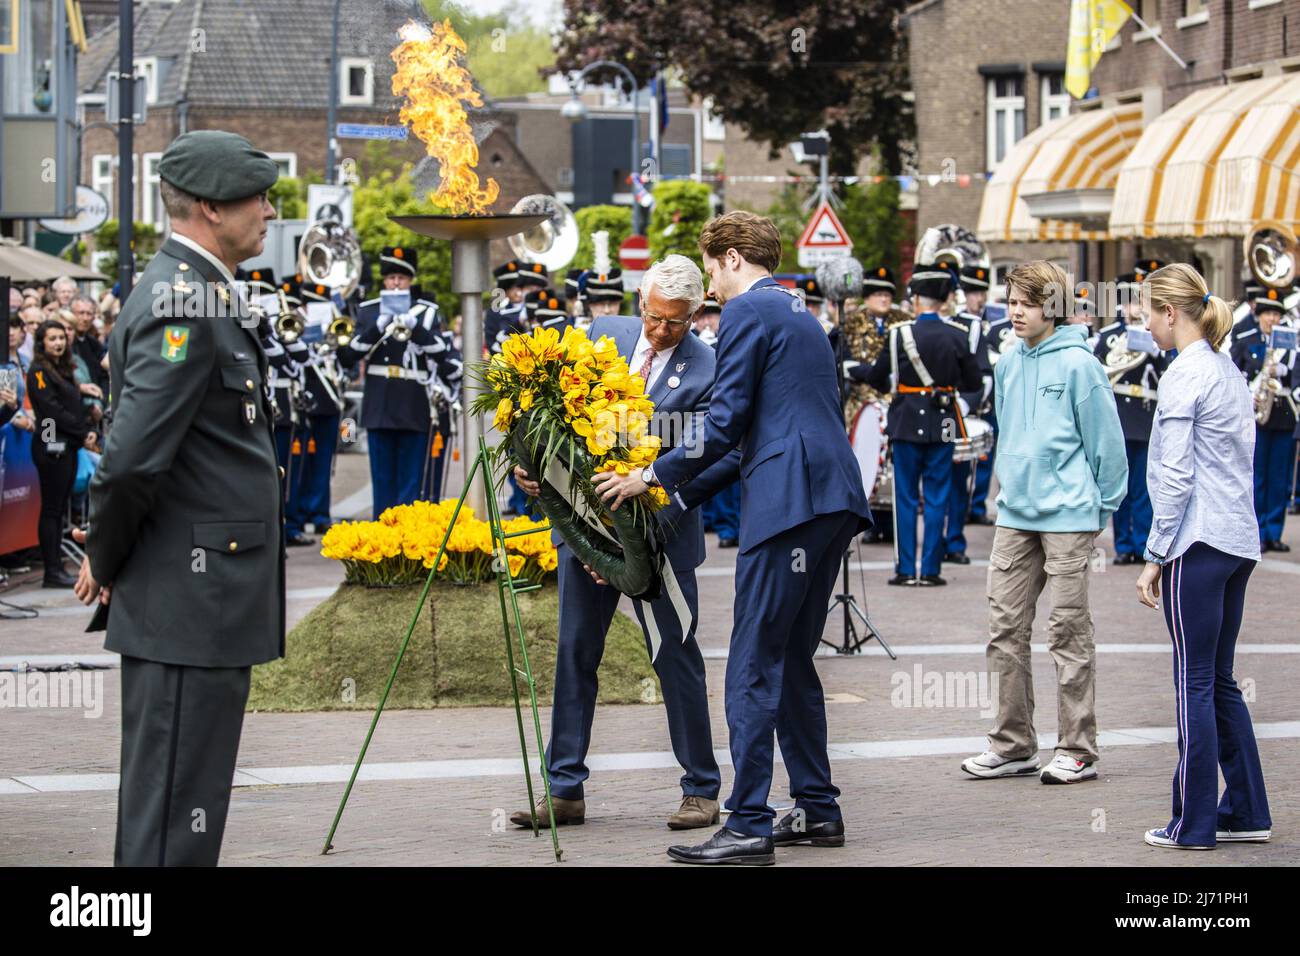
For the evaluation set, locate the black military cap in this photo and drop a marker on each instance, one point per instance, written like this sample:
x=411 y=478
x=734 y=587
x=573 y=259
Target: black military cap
x=879 y=279
x=712 y=305
x=1269 y=298
x=505 y=274
x=974 y=278
x=214 y=164
x=1144 y=266
x=572 y=288
x=261 y=281
x=933 y=281
x=314 y=292
x=811 y=289
x=605 y=287
x=543 y=304
x=1253 y=291
x=1082 y=299
x=532 y=274
x=292 y=289
x=397 y=260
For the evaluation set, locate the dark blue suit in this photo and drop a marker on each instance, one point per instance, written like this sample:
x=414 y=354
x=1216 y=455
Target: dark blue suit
x=777 y=399
x=587 y=608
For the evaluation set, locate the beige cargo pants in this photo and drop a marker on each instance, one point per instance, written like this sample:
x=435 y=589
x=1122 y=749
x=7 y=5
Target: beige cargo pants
x=1021 y=565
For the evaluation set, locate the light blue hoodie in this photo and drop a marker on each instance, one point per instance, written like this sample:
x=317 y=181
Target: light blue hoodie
x=1060 y=457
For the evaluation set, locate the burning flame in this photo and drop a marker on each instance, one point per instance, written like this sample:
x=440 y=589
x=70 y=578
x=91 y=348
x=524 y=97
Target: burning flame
x=431 y=75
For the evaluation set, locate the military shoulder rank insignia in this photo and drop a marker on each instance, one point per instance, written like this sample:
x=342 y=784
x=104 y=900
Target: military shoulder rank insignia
x=176 y=342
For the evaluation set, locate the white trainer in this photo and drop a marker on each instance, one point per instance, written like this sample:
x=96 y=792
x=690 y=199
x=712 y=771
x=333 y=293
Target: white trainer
x=1067 y=769
x=1161 y=838
x=988 y=765
x=1243 y=836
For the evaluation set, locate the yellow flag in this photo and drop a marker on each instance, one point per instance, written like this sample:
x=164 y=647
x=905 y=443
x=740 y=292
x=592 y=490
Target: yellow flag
x=1093 y=24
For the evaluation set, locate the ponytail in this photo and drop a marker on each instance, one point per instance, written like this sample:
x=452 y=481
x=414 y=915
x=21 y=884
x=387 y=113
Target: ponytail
x=1181 y=286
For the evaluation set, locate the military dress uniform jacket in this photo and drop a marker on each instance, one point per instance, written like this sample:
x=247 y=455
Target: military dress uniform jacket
x=186 y=520
x=1249 y=353
x=1135 y=390
x=945 y=351
x=500 y=323
x=977 y=399
x=396 y=383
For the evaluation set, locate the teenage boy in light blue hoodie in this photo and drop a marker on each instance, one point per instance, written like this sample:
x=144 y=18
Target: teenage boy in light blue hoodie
x=1062 y=472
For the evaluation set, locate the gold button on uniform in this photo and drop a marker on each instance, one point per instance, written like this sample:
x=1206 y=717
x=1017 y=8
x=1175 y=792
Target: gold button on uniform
x=248 y=384
x=234 y=545
x=184 y=266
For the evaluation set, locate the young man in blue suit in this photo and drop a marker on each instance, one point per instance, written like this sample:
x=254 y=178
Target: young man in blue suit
x=776 y=399
x=678 y=371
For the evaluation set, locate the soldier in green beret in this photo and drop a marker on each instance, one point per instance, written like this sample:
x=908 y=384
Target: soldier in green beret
x=186 y=525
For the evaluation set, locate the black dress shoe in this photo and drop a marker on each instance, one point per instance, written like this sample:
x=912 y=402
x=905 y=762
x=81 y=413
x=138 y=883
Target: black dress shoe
x=956 y=557
x=728 y=846
x=59 y=579
x=1279 y=546
x=298 y=540
x=826 y=833
x=931 y=581
x=980 y=519
x=903 y=580
x=727 y=543
x=1125 y=559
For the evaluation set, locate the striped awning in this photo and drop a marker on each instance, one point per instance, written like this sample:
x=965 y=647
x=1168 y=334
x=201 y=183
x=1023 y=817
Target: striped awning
x=1082 y=151
x=1214 y=164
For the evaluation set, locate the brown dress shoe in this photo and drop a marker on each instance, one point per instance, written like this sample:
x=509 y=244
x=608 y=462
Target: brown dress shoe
x=566 y=812
x=695 y=812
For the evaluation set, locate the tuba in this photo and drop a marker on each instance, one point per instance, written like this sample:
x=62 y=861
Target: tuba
x=1119 y=360
x=330 y=255
x=1272 y=252
x=554 y=241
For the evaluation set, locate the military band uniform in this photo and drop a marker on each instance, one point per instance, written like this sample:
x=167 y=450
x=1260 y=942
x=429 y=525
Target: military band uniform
x=999 y=336
x=1135 y=400
x=959 y=501
x=395 y=400
x=922 y=423
x=1274 y=452
x=185 y=524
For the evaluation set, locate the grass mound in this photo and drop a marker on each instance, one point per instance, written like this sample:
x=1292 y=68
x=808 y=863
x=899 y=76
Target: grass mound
x=340 y=655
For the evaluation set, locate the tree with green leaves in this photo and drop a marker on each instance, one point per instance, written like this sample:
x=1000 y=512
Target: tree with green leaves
x=145 y=240
x=868 y=212
x=681 y=209
x=777 y=68
x=506 y=54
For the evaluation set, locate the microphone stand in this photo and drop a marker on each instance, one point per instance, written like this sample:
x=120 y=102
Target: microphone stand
x=853 y=640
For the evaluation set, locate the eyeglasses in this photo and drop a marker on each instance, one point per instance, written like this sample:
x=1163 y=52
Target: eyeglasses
x=660 y=320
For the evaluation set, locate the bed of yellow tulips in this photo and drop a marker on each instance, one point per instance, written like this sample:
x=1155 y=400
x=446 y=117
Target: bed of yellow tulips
x=401 y=546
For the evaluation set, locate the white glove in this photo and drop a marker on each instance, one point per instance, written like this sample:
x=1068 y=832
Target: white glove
x=963 y=405
x=384 y=322
x=1277 y=371
x=850 y=365
x=407 y=319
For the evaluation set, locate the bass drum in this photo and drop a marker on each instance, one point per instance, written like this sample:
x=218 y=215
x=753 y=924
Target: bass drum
x=870 y=445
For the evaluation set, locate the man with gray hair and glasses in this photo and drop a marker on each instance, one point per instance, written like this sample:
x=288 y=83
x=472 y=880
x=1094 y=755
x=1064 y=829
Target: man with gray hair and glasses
x=678 y=371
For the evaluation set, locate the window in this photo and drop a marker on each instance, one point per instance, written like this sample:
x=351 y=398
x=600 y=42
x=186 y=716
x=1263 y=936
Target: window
x=1193 y=7
x=1195 y=12
x=150 y=196
x=1006 y=115
x=147 y=66
x=1149 y=11
x=715 y=130
x=1055 y=99
x=356 y=81
x=101 y=178
x=287 y=162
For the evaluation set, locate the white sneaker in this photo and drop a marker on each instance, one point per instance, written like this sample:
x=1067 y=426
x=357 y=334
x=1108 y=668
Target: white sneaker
x=989 y=764
x=1067 y=769
x=1161 y=838
x=1243 y=836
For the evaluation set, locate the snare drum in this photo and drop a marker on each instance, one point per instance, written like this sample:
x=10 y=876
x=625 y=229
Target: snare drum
x=977 y=443
x=867 y=436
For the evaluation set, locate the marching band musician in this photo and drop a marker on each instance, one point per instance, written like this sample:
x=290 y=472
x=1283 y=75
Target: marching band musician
x=313 y=451
x=721 y=513
x=814 y=301
x=999 y=338
x=1135 y=378
x=603 y=294
x=928 y=361
x=974 y=283
x=878 y=291
x=286 y=387
x=545 y=309
x=506 y=317
x=1271 y=374
x=401 y=353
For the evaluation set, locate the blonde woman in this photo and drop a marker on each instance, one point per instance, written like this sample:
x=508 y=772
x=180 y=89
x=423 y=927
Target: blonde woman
x=1202 y=548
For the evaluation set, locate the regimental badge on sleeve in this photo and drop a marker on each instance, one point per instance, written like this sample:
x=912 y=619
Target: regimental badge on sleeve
x=176 y=342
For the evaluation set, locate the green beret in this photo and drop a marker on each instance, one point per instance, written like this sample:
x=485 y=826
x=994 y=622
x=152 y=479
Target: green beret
x=214 y=164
